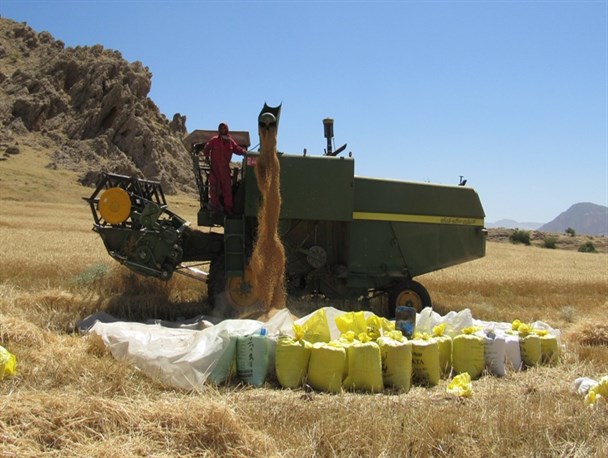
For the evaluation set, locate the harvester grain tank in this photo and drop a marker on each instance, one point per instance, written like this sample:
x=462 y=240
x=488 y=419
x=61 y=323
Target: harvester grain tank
x=346 y=237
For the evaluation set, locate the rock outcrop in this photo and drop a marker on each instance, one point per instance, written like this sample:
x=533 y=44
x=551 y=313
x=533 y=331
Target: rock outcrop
x=91 y=106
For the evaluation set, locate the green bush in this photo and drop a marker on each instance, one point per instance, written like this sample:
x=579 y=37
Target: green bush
x=550 y=242
x=587 y=247
x=519 y=236
x=571 y=232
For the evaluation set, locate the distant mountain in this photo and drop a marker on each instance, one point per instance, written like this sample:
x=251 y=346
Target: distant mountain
x=511 y=224
x=585 y=218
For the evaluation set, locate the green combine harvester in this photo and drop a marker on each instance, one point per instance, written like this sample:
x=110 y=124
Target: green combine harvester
x=345 y=237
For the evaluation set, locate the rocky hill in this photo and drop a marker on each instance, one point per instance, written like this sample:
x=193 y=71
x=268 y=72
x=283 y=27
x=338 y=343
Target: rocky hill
x=584 y=218
x=89 y=107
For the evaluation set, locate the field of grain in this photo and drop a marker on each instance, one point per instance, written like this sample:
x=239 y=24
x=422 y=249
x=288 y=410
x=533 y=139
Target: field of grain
x=71 y=398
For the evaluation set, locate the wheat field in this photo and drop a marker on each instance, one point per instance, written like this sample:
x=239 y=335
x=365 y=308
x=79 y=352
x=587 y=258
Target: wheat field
x=71 y=398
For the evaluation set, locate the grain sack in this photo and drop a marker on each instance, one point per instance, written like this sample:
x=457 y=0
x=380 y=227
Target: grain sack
x=314 y=329
x=364 y=367
x=468 y=354
x=252 y=358
x=461 y=385
x=530 y=348
x=494 y=347
x=445 y=349
x=291 y=361
x=396 y=354
x=326 y=367
x=226 y=363
x=512 y=352
x=425 y=362
x=549 y=347
x=598 y=394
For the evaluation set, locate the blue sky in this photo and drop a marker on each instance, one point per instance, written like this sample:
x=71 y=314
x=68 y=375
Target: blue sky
x=513 y=95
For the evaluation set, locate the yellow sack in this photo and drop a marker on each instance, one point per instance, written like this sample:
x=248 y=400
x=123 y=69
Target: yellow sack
x=531 y=350
x=549 y=349
x=364 y=367
x=468 y=355
x=314 y=329
x=396 y=362
x=444 y=344
x=291 y=361
x=352 y=321
x=425 y=362
x=8 y=363
x=326 y=367
x=598 y=394
x=461 y=385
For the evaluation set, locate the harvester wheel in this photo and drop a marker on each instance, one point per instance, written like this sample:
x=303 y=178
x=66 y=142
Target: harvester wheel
x=411 y=294
x=231 y=297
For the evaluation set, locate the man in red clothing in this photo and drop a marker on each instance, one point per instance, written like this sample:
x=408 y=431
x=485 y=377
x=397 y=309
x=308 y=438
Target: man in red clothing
x=218 y=151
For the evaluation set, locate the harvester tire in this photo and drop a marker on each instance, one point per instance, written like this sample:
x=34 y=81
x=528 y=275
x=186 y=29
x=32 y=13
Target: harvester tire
x=230 y=297
x=411 y=294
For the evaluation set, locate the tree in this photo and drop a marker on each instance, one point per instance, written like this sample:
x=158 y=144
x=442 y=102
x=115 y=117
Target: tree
x=571 y=232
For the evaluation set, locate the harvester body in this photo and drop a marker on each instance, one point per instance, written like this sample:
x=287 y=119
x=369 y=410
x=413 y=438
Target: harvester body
x=345 y=236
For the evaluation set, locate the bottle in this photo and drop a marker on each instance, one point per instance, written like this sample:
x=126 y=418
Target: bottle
x=405 y=320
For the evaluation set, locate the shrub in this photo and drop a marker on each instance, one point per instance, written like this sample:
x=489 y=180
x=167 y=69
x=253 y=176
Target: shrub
x=587 y=247
x=519 y=236
x=571 y=232
x=550 y=241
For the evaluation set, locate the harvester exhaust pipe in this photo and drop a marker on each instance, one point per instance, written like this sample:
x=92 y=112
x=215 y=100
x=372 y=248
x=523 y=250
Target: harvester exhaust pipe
x=328 y=128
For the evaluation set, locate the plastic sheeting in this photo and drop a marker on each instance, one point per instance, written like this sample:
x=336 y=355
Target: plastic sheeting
x=181 y=358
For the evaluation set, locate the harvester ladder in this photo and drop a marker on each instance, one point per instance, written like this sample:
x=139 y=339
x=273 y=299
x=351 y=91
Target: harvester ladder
x=234 y=245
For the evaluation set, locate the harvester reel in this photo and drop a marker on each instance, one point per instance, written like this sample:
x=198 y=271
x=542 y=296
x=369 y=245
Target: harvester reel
x=114 y=205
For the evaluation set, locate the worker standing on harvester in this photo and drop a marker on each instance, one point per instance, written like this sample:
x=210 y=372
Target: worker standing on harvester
x=218 y=151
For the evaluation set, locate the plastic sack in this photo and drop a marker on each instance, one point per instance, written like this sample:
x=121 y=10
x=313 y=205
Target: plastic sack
x=598 y=394
x=425 y=362
x=396 y=357
x=494 y=353
x=461 y=385
x=181 y=358
x=549 y=349
x=314 y=328
x=454 y=322
x=364 y=367
x=8 y=363
x=291 y=361
x=468 y=355
x=326 y=367
x=530 y=347
x=512 y=352
x=226 y=363
x=445 y=349
x=582 y=385
x=352 y=321
x=252 y=358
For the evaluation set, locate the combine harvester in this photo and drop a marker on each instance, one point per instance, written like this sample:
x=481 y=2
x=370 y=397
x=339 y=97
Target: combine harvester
x=345 y=237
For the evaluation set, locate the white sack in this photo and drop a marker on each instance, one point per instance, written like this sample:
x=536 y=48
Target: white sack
x=180 y=358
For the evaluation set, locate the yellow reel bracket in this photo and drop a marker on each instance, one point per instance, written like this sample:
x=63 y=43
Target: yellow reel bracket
x=114 y=205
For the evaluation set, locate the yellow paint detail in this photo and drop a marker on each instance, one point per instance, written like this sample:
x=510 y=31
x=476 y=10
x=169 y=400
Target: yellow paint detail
x=114 y=205
x=427 y=219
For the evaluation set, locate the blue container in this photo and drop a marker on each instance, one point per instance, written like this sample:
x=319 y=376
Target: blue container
x=405 y=320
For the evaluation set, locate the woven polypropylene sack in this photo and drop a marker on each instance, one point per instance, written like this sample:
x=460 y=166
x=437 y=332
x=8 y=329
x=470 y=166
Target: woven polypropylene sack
x=291 y=361
x=364 y=367
x=468 y=355
x=396 y=363
x=326 y=367
x=425 y=362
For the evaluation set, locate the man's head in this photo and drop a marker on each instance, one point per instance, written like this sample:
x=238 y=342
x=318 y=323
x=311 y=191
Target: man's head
x=222 y=129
